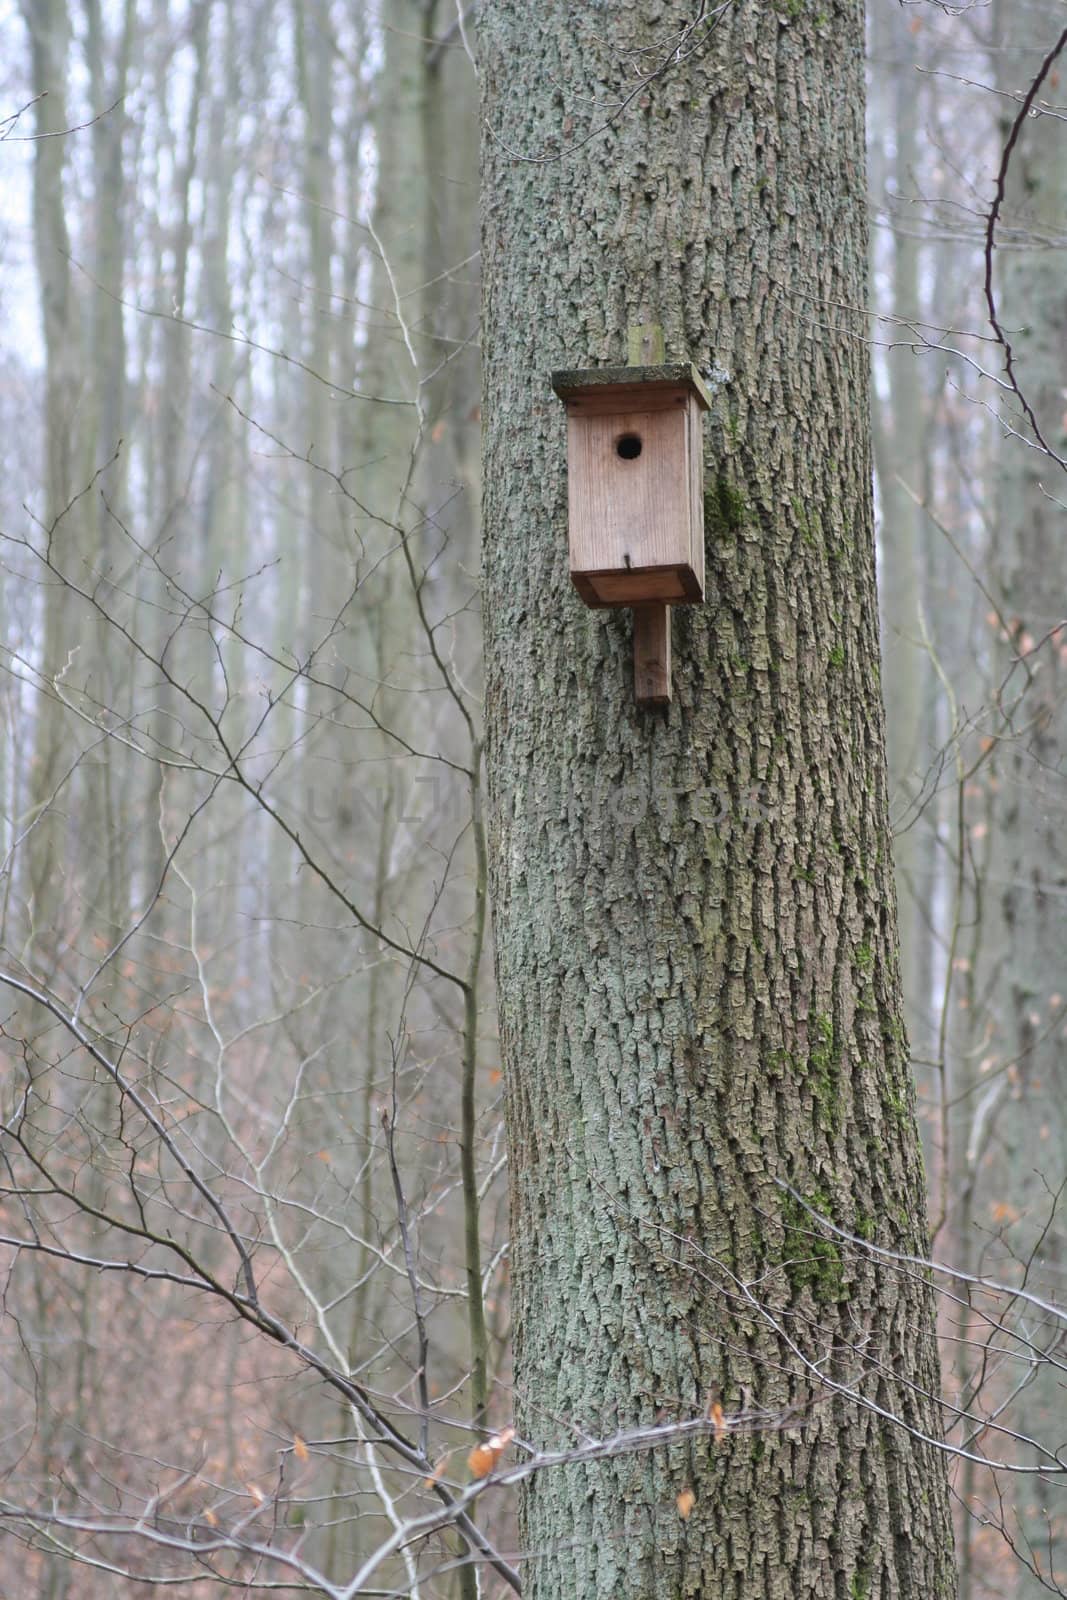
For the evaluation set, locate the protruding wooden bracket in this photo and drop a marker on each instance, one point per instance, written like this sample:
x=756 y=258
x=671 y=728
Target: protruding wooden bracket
x=652 y=655
x=652 y=623
x=645 y=346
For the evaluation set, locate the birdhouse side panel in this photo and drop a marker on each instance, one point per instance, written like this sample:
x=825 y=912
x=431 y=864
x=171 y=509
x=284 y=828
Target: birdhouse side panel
x=696 y=488
x=630 y=512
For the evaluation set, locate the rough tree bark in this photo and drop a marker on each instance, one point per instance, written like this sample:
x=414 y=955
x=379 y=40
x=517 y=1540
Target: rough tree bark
x=1028 y=898
x=694 y=914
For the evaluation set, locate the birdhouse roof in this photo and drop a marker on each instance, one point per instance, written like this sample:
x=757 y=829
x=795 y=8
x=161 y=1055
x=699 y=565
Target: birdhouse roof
x=588 y=382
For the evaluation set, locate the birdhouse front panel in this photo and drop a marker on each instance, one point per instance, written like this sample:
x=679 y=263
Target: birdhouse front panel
x=635 y=484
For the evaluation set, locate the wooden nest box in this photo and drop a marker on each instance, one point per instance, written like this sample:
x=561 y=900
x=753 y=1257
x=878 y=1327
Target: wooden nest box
x=635 y=483
x=635 y=476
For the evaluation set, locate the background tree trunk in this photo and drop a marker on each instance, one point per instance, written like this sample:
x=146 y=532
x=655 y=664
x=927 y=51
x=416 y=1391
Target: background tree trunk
x=1029 y=864
x=902 y=437
x=699 y=989
x=48 y=26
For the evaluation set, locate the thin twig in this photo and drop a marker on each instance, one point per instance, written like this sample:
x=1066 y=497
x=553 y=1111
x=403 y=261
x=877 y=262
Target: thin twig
x=990 y=245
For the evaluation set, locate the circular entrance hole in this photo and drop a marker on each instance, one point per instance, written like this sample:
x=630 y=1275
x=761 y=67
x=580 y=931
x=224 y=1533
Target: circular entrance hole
x=628 y=447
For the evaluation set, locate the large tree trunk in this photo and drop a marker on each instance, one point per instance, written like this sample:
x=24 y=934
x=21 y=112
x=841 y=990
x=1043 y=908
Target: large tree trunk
x=902 y=435
x=1028 y=902
x=48 y=26
x=699 y=993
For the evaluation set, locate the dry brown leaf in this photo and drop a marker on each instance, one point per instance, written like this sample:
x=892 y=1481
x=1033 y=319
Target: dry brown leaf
x=685 y=1503
x=435 y=1475
x=300 y=1449
x=484 y=1457
x=481 y=1461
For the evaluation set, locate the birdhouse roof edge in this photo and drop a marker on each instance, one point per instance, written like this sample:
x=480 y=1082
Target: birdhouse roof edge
x=571 y=383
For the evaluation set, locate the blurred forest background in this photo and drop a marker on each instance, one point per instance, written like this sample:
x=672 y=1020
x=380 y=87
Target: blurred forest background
x=248 y=1006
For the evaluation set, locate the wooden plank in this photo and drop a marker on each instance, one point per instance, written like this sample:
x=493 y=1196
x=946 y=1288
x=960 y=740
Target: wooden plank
x=634 y=588
x=668 y=374
x=652 y=623
x=652 y=655
x=619 y=397
x=695 y=443
x=628 y=514
x=645 y=344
